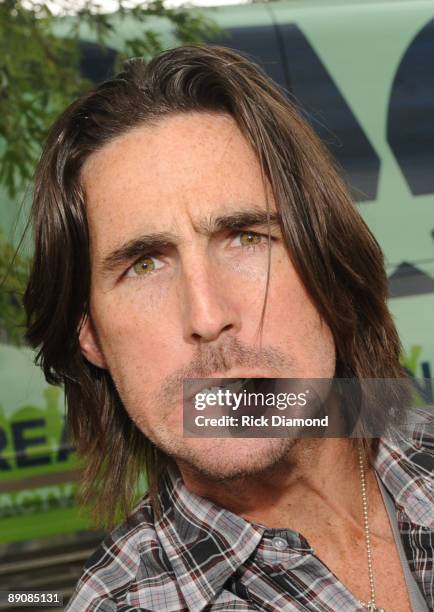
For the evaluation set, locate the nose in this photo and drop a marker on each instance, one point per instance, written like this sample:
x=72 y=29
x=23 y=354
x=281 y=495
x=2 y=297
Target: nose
x=209 y=307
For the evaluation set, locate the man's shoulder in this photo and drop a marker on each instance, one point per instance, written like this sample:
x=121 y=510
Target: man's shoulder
x=405 y=463
x=416 y=439
x=128 y=539
x=119 y=562
x=422 y=439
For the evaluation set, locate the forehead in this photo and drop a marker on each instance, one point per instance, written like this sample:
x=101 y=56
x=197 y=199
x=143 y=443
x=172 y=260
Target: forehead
x=170 y=175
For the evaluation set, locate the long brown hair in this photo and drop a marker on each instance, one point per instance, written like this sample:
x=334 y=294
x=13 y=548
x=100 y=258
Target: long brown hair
x=335 y=254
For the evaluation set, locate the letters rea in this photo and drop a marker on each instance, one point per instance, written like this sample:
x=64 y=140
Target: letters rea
x=23 y=443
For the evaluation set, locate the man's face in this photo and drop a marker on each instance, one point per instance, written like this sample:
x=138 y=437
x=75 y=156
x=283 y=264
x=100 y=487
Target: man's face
x=179 y=270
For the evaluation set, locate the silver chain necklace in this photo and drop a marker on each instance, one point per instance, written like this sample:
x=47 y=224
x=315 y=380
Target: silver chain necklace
x=371 y=606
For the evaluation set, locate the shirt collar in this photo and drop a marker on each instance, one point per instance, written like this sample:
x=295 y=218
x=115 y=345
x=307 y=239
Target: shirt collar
x=405 y=465
x=204 y=543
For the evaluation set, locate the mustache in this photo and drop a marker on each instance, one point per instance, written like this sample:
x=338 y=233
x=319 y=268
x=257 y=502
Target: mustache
x=209 y=360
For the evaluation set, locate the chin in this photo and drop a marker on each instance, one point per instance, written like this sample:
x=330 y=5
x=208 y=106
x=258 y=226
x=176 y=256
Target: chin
x=230 y=458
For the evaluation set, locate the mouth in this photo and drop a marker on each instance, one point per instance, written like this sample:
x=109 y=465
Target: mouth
x=213 y=385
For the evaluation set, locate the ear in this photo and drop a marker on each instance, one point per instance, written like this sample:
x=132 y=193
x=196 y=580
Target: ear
x=89 y=343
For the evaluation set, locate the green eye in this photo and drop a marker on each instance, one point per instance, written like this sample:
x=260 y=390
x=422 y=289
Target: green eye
x=144 y=266
x=250 y=238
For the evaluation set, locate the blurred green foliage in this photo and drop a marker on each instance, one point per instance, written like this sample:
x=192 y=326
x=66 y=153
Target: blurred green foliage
x=40 y=75
x=14 y=270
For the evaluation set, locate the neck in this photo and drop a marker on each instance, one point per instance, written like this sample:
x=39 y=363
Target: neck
x=319 y=477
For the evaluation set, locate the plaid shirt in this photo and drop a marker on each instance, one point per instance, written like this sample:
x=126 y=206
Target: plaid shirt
x=199 y=556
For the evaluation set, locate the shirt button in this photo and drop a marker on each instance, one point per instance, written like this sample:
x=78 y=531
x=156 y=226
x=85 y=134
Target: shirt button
x=279 y=543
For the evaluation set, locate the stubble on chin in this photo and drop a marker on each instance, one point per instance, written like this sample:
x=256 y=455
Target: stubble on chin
x=226 y=464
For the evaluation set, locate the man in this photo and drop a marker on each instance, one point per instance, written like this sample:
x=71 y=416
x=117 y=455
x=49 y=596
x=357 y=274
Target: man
x=188 y=224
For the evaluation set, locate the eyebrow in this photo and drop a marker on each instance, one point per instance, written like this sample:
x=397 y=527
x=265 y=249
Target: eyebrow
x=155 y=241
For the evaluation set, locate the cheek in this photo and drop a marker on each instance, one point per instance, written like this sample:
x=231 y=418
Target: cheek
x=293 y=319
x=137 y=339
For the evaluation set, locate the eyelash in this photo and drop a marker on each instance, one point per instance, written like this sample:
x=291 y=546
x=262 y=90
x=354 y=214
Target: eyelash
x=234 y=235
